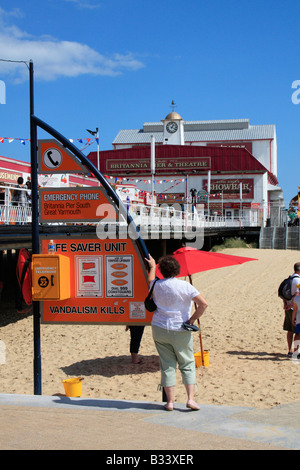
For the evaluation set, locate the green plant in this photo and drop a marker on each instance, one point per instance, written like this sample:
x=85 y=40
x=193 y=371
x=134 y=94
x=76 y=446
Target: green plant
x=233 y=243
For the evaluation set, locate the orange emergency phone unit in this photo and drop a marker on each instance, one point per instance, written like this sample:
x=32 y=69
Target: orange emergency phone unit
x=50 y=277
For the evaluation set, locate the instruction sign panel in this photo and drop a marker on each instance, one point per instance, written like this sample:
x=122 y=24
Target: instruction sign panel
x=108 y=282
x=88 y=270
x=119 y=276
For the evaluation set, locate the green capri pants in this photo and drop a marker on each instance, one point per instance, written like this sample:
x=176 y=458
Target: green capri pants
x=175 y=347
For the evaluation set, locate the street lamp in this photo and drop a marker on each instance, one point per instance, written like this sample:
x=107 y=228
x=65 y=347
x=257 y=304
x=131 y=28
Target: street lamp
x=96 y=133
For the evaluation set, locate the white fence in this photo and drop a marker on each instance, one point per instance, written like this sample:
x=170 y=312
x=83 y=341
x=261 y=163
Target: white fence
x=157 y=218
x=15 y=210
x=15 y=215
x=168 y=216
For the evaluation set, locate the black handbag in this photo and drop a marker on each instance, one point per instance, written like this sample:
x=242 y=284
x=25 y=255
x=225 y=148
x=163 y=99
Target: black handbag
x=149 y=302
x=189 y=327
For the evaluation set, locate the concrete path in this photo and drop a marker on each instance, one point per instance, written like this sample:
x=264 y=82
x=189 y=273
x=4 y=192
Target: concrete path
x=29 y=422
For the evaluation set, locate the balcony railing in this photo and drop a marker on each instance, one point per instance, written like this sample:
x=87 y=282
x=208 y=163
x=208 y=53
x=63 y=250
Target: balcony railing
x=156 y=216
x=15 y=205
x=14 y=212
x=15 y=215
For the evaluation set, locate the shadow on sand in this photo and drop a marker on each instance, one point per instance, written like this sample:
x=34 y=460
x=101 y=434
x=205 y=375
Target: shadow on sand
x=112 y=365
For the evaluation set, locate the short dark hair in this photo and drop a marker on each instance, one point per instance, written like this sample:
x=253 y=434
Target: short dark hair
x=20 y=180
x=169 y=266
x=297 y=267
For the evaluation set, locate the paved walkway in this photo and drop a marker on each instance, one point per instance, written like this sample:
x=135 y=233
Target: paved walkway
x=59 y=423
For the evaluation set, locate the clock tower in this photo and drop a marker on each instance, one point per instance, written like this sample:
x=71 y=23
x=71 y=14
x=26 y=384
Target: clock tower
x=173 y=128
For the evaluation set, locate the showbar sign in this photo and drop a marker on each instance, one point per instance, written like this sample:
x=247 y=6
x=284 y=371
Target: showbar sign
x=230 y=188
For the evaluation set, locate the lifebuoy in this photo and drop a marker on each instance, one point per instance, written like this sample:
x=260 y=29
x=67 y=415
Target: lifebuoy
x=24 y=275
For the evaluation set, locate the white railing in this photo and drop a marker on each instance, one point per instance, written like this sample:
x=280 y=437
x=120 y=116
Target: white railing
x=14 y=210
x=157 y=218
x=15 y=215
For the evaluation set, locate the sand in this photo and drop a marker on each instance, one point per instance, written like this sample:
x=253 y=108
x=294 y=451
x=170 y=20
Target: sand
x=241 y=329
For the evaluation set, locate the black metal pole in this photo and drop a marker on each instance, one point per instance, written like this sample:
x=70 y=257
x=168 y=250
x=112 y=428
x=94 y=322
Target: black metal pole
x=37 y=367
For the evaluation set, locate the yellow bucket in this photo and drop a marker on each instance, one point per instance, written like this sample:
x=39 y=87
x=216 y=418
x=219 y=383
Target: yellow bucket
x=198 y=359
x=73 y=387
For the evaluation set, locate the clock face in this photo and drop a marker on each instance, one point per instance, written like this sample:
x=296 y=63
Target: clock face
x=172 y=127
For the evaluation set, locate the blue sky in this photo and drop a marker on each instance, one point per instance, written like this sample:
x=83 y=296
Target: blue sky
x=116 y=64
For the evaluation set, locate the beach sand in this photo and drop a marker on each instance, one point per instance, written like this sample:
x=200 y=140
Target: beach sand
x=241 y=329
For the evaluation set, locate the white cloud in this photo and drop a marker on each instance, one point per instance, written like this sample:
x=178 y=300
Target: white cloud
x=84 y=4
x=53 y=58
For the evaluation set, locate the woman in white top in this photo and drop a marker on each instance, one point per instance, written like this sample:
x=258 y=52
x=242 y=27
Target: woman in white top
x=174 y=344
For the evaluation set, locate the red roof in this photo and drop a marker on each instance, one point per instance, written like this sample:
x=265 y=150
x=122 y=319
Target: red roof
x=222 y=159
x=13 y=164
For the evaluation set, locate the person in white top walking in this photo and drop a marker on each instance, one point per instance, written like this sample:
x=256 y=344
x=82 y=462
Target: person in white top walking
x=288 y=324
x=174 y=299
x=296 y=318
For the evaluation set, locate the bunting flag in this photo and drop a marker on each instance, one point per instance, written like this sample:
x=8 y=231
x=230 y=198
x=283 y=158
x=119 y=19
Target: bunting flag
x=86 y=141
x=146 y=181
x=122 y=180
x=11 y=139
